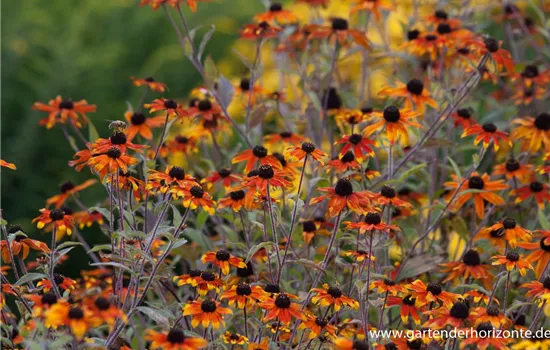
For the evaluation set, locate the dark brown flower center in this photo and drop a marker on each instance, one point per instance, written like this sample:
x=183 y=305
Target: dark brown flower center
x=266 y=172
x=489 y=127
x=272 y=288
x=544 y=246
x=348 y=157
x=102 y=303
x=67 y=186
x=182 y=140
x=460 y=310
x=389 y=282
x=440 y=14
x=355 y=139
x=245 y=84
x=542 y=122
x=308 y=147
x=114 y=152
x=309 y=226
x=409 y=300
x=464 y=113
x=512 y=165
x=343 y=188
x=321 y=322
x=390 y=346
x=275 y=7
x=512 y=256
x=205 y=105
x=280 y=158
x=509 y=223
x=491 y=45
x=76 y=313
x=195 y=273
x=57 y=214
x=476 y=182
x=137 y=118
x=48 y=299
x=546 y=282
x=434 y=288
x=58 y=278
x=225 y=172
x=334 y=292
x=259 y=151
x=415 y=87
x=530 y=71
x=176 y=336
x=444 y=28
x=66 y=104
x=499 y=233
x=493 y=310
x=388 y=191
x=208 y=306
x=282 y=301
x=333 y=99
x=208 y=276
x=197 y=191
x=339 y=24
x=170 y=104
x=237 y=195
x=373 y=218
x=471 y=258
x=360 y=345
x=222 y=255
x=119 y=138
x=244 y=289
x=484 y=329
x=392 y=114
x=431 y=37
x=149 y=79
x=177 y=173
x=285 y=134
x=413 y=34
x=536 y=186
x=415 y=344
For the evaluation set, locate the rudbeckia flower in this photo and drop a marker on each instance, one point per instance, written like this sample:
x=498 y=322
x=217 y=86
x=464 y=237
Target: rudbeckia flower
x=173 y=177
x=491 y=315
x=357 y=144
x=81 y=158
x=485 y=338
x=470 y=266
x=75 y=317
x=194 y=197
x=223 y=259
x=268 y=177
x=387 y=285
x=457 y=316
x=150 y=82
x=117 y=139
x=388 y=196
x=170 y=106
x=373 y=222
x=343 y=196
x=373 y=6
x=183 y=144
x=62 y=222
x=514 y=169
x=395 y=123
x=306 y=149
x=485 y=187
x=257 y=154
x=67 y=189
x=262 y=30
x=345 y=163
x=206 y=312
x=492 y=47
x=41 y=303
x=539 y=291
x=285 y=136
x=541 y=251
x=512 y=231
x=62 y=282
x=407 y=306
x=234 y=338
x=224 y=176
x=463 y=117
x=317 y=326
x=243 y=295
x=338 y=31
x=513 y=260
x=61 y=111
x=276 y=15
x=415 y=95
x=235 y=200
x=425 y=294
x=487 y=132
x=141 y=125
x=111 y=161
x=21 y=245
x=334 y=297
x=281 y=307
x=206 y=109
x=175 y=339
x=536 y=189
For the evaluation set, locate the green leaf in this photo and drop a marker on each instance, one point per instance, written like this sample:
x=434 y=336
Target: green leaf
x=92 y=132
x=210 y=71
x=154 y=315
x=254 y=249
x=543 y=220
x=29 y=277
x=67 y=244
x=205 y=39
x=115 y=264
x=100 y=247
x=412 y=171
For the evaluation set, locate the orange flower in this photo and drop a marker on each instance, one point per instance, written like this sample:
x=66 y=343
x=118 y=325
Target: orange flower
x=104 y=312
x=7 y=165
x=62 y=222
x=538 y=290
x=491 y=315
x=513 y=169
x=496 y=237
x=346 y=344
x=62 y=282
x=261 y=30
x=81 y=158
x=173 y=177
x=463 y=117
x=416 y=96
x=276 y=15
x=223 y=260
x=268 y=176
x=373 y=6
x=478 y=296
x=484 y=188
x=42 y=302
x=243 y=295
x=170 y=106
x=280 y=306
x=540 y=191
x=139 y=124
x=63 y=314
x=257 y=154
x=541 y=253
x=487 y=132
x=21 y=245
x=61 y=111
x=193 y=278
x=358 y=144
x=150 y=82
x=333 y=296
x=457 y=316
x=175 y=339
x=87 y=218
x=373 y=222
x=407 y=306
x=224 y=176
x=342 y=196
x=512 y=231
x=359 y=255
x=425 y=294
x=470 y=266
x=264 y=345
x=194 y=196
x=485 y=338
x=339 y=31
x=501 y=57
x=206 y=312
x=347 y=162
x=182 y=144
x=513 y=260
x=386 y=285
x=119 y=140
x=395 y=122
x=206 y=109
x=307 y=149
x=235 y=200
x=317 y=326
x=388 y=196
x=129 y=183
x=285 y=136
x=111 y=161
x=68 y=189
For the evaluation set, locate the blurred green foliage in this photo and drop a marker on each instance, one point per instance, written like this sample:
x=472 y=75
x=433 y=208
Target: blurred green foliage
x=87 y=49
